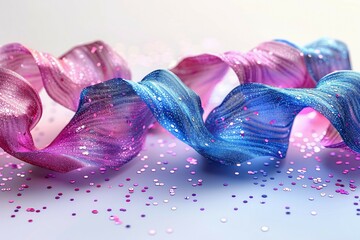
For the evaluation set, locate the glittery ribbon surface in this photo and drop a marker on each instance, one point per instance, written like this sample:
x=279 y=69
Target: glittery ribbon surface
x=113 y=116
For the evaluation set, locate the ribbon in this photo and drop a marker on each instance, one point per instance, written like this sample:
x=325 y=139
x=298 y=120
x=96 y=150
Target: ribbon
x=113 y=116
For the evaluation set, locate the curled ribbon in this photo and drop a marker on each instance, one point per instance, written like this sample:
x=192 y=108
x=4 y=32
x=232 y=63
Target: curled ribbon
x=112 y=117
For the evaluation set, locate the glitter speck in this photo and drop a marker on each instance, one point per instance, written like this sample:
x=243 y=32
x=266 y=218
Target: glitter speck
x=152 y=232
x=313 y=213
x=264 y=228
x=223 y=220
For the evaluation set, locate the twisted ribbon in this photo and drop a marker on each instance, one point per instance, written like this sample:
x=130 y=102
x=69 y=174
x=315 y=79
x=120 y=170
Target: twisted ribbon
x=112 y=117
